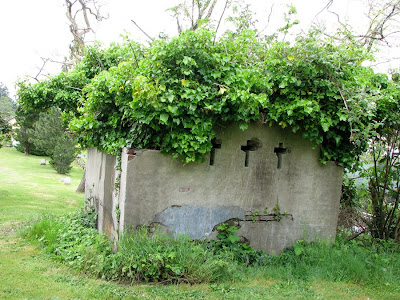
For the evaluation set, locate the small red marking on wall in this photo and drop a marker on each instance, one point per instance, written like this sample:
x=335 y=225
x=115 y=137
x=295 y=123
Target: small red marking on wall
x=184 y=190
x=131 y=154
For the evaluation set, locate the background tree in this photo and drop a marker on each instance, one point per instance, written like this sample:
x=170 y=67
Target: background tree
x=5 y=130
x=50 y=136
x=80 y=14
x=383 y=24
x=191 y=14
x=46 y=131
x=62 y=91
x=7 y=105
x=381 y=165
x=26 y=119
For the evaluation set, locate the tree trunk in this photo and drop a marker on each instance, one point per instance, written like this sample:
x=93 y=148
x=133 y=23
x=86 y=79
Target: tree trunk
x=81 y=187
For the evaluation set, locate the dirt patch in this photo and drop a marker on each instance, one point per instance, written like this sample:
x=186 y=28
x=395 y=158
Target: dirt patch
x=7 y=230
x=9 y=227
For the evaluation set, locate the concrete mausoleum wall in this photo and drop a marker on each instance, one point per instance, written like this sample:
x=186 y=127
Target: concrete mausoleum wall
x=246 y=176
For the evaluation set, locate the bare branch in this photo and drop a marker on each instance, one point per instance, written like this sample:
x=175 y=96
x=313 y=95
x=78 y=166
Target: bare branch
x=57 y=62
x=268 y=20
x=152 y=39
x=86 y=8
x=85 y=16
x=325 y=7
x=211 y=9
x=220 y=19
x=185 y=13
x=72 y=87
x=192 y=17
x=337 y=16
x=41 y=69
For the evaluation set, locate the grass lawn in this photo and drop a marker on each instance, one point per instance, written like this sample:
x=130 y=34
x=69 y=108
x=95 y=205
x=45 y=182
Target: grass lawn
x=28 y=189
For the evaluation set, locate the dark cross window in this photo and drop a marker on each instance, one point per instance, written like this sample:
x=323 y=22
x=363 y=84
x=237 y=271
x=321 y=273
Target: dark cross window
x=279 y=151
x=252 y=145
x=216 y=144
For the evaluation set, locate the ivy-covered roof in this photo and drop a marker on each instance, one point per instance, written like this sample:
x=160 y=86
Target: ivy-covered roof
x=170 y=95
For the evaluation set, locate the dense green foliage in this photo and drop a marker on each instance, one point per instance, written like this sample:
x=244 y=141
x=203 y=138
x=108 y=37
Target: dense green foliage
x=378 y=190
x=156 y=257
x=26 y=120
x=7 y=110
x=46 y=131
x=63 y=154
x=5 y=130
x=65 y=89
x=140 y=256
x=382 y=167
x=7 y=105
x=228 y=242
x=171 y=94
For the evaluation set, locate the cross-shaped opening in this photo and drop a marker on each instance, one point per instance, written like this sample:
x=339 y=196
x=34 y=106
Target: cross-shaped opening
x=252 y=145
x=216 y=144
x=279 y=151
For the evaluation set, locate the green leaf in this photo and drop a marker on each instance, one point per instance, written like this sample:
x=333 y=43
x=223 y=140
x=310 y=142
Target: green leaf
x=298 y=249
x=233 y=238
x=243 y=126
x=283 y=84
x=164 y=118
x=221 y=91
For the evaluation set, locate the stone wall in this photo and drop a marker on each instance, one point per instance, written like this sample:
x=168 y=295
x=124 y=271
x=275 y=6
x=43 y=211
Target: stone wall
x=246 y=176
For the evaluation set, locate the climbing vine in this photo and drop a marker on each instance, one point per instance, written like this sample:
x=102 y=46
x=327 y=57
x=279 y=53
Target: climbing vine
x=171 y=94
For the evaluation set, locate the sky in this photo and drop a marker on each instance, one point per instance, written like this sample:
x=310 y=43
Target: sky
x=32 y=30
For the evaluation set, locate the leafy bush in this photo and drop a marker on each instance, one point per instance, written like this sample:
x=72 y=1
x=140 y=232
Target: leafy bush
x=70 y=238
x=163 y=258
x=140 y=256
x=171 y=94
x=230 y=245
x=160 y=258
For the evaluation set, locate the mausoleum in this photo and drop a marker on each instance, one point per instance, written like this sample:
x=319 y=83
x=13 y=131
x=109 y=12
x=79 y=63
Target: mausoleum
x=266 y=180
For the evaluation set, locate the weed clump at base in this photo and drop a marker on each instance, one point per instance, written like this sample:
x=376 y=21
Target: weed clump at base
x=360 y=262
x=161 y=258
x=140 y=256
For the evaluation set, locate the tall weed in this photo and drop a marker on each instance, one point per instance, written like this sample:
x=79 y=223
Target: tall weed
x=140 y=256
x=160 y=258
x=348 y=261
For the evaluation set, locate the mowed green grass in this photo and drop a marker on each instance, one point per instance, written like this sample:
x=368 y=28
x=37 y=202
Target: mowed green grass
x=28 y=189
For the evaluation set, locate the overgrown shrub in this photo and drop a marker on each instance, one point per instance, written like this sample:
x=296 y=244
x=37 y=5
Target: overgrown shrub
x=230 y=245
x=160 y=258
x=140 y=256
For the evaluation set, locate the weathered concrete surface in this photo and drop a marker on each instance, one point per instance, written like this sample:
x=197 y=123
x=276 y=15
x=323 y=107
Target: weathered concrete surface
x=195 y=197
x=100 y=179
x=196 y=221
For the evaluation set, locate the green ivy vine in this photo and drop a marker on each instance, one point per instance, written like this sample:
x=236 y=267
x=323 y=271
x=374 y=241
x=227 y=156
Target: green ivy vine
x=171 y=94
